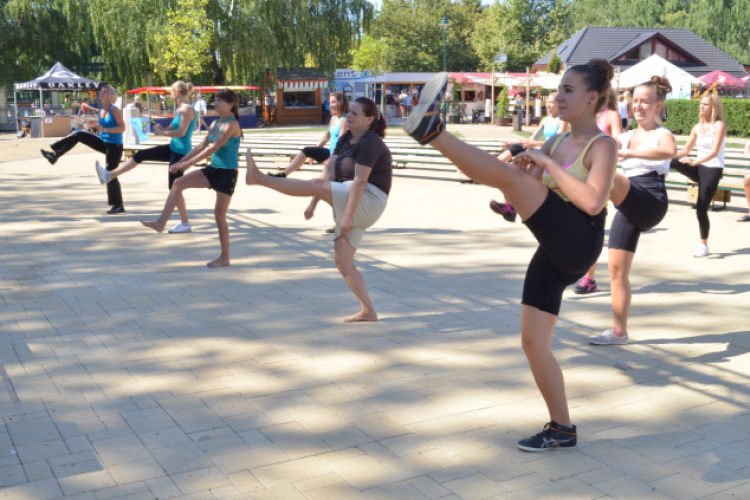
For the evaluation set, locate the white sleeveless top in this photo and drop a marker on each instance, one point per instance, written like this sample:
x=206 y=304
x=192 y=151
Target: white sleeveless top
x=705 y=145
x=639 y=166
x=622 y=106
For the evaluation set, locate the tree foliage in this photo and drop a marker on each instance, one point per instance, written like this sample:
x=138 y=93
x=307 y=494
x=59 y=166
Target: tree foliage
x=184 y=46
x=372 y=55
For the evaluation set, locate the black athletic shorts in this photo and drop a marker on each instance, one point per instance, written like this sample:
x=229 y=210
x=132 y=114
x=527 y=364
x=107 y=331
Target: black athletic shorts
x=318 y=154
x=643 y=208
x=221 y=180
x=570 y=241
x=163 y=154
x=516 y=149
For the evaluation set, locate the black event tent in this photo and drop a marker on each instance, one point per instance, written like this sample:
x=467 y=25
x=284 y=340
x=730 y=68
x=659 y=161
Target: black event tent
x=58 y=77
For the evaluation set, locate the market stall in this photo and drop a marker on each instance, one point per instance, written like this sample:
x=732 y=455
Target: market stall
x=57 y=79
x=295 y=97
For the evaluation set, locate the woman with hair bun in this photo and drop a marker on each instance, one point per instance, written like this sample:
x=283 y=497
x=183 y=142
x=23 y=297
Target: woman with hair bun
x=560 y=192
x=356 y=182
x=640 y=195
x=109 y=141
x=222 y=144
x=181 y=133
x=710 y=135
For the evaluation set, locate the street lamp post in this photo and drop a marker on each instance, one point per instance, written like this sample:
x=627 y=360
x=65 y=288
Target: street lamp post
x=444 y=25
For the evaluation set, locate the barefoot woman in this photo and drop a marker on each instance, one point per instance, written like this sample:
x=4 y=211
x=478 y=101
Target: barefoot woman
x=181 y=132
x=222 y=144
x=560 y=193
x=356 y=183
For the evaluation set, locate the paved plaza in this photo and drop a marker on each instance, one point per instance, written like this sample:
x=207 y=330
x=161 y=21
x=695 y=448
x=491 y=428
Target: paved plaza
x=129 y=370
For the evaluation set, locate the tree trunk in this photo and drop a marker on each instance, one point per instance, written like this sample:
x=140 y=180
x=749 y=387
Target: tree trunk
x=219 y=78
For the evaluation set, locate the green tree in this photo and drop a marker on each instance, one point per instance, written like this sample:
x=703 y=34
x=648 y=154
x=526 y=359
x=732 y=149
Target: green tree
x=183 y=47
x=372 y=55
x=416 y=39
x=554 y=64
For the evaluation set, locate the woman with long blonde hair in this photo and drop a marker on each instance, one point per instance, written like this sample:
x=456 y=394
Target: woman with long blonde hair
x=707 y=169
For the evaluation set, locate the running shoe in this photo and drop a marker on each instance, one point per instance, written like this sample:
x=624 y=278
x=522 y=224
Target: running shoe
x=331 y=230
x=505 y=209
x=424 y=124
x=116 y=210
x=103 y=173
x=276 y=174
x=554 y=437
x=701 y=251
x=609 y=337
x=182 y=227
x=587 y=285
x=51 y=157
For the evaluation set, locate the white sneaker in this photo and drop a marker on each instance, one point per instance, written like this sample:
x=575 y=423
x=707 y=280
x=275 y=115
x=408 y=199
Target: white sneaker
x=182 y=227
x=103 y=173
x=701 y=251
x=609 y=337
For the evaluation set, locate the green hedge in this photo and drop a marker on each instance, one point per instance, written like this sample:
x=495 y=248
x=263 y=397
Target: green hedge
x=683 y=115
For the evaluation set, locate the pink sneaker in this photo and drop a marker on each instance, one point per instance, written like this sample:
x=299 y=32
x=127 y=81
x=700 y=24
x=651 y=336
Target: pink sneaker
x=587 y=285
x=504 y=209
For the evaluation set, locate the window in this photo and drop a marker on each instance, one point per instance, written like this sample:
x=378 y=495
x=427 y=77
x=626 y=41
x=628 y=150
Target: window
x=299 y=99
x=470 y=96
x=646 y=50
x=660 y=49
x=673 y=55
x=633 y=55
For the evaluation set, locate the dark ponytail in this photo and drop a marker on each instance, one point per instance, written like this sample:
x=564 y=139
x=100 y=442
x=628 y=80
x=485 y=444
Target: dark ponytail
x=369 y=108
x=228 y=95
x=597 y=75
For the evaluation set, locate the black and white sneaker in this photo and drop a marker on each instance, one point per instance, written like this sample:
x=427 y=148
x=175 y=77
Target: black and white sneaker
x=116 y=210
x=51 y=157
x=554 y=437
x=424 y=123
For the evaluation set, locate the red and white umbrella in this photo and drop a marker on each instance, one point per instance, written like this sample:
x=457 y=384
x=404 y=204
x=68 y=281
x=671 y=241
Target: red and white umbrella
x=721 y=79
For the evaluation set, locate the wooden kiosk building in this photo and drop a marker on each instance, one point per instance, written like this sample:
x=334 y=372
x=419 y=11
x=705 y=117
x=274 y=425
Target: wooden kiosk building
x=294 y=96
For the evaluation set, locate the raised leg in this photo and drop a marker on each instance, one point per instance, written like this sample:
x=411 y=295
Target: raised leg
x=319 y=188
x=343 y=257
x=525 y=193
x=129 y=165
x=536 y=338
x=295 y=164
x=220 y=213
x=194 y=179
x=620 y=262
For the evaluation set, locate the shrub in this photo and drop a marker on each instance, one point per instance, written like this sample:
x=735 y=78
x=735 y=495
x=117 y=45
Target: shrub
x=683 y=115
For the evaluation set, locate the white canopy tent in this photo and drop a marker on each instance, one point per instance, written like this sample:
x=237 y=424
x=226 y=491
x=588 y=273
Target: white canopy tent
x=681 y=80
x=548 y=82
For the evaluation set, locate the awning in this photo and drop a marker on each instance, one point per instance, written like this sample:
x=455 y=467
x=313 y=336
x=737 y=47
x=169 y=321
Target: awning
x=58 y=77
x=303 y=85
x=550 y=82
x=655 y=65
x=152 y=90
x=502 y=79
x=212 y=89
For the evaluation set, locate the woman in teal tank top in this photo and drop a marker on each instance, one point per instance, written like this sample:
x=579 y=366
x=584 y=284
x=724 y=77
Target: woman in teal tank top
x=181 y=133
x=222 y=145
x=109 y=141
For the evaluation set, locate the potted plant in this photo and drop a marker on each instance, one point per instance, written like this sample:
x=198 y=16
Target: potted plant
x=454 y=103
x=501 y=115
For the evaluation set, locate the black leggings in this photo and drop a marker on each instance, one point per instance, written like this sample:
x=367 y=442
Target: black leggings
x=162 y=154
x=708 y=179
x=516 y=149
x=112 y=151
x=318 y=154
x=643 y=208
x=570 y=241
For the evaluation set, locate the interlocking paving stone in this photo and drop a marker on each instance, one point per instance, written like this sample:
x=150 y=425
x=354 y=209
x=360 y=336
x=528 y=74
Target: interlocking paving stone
x=132 y=371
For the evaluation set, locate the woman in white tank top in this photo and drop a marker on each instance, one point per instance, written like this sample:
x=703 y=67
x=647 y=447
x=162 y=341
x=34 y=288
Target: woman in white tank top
x=707 y=168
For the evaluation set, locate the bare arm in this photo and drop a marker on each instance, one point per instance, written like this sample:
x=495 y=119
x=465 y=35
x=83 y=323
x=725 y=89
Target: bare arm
x=614 y=122
x=197 y=149
x=590 y=196
x=325 y=138
x=232 y=129
x=665 y=150
x=688 y=147
x=720 y=132
x=187 y=115
x=361 y=174
x=532 y=142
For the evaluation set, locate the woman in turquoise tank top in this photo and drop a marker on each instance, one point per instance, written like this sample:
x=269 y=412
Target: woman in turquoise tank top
x=221 y=144
x=109 y=141
x=181 y=133
x=570 y=230
x=549 y=126
x=337 y=128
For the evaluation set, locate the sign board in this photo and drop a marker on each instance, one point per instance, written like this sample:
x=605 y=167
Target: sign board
x=501 y=58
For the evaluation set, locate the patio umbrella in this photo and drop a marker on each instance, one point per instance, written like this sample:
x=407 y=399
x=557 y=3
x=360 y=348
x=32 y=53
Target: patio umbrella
x=721 y=79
